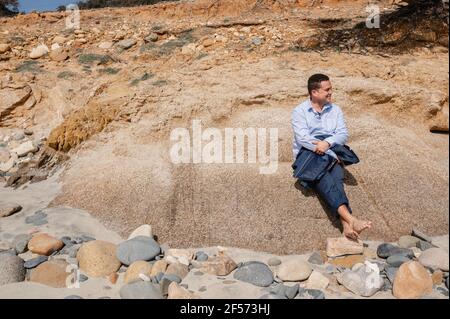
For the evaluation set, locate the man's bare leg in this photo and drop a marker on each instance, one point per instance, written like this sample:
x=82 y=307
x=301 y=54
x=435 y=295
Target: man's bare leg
x=352 y=226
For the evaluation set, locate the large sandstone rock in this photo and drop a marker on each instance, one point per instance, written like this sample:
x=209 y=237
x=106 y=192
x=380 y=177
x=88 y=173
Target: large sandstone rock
x=98 y=258
x=196 y=203
x=52 y=273
x=412 y=281
x=44 y=244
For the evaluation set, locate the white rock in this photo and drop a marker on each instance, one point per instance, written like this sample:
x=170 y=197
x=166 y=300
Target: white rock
x=365 y=281
x=143 y=230
x=39 y=51
x=24 y=148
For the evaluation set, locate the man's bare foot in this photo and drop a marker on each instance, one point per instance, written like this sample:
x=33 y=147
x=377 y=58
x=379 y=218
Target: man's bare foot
x=348 y=231
x=360 y=225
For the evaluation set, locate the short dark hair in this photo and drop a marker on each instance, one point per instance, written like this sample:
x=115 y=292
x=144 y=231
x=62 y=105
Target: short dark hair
x=314 y=81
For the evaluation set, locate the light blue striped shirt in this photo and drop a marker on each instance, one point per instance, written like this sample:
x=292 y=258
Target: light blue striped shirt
x=307 y=123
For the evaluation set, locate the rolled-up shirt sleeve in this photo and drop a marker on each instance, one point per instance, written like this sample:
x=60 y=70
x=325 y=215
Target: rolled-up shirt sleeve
x=340 y=135
x=301 y=130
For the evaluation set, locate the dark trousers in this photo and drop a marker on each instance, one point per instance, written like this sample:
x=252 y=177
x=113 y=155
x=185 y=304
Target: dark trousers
x=331 y=188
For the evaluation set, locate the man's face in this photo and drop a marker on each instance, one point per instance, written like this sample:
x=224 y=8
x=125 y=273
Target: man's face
x=323 y=95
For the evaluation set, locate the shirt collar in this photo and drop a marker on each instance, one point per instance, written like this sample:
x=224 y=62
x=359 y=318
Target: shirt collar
x=325 y=107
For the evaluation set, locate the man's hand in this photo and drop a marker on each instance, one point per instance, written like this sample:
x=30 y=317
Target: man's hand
x=321 y=147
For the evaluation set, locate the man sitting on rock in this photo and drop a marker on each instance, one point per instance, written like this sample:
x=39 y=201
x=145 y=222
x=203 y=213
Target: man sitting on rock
x=318 y=116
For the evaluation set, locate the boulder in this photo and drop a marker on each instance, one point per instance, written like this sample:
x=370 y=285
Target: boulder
x=11 y=269
x=44 y=244
x=137 y=248
x=294 y=270
x=137 y=268
x=435 y=258
x=98 y=258
x=51 y=273
x=364 y=281
x=39 y=51
x=255 y=273
x=412 y=281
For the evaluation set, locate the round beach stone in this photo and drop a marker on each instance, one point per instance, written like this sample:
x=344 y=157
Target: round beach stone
x=158 y=266
x=274 y=261
x=397 y=260
x=179 y=269
x=408 y=241
x=138 y=248
x=137 y=268
x=412 y=281
x=44 y=244
x=51 y=273
x=386 y=250
x=11 y=269
x=34 y=262
x=435 y=258
x=294 y=270
x=254 y=272
x=97 y=258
